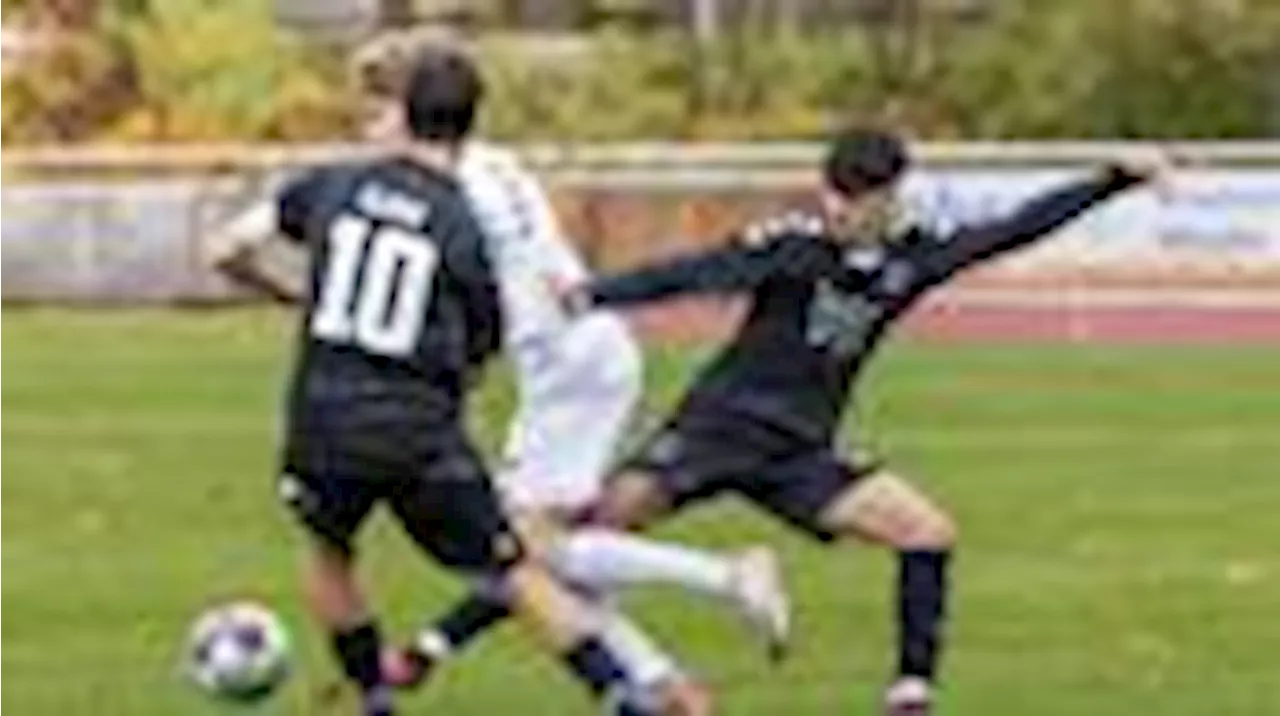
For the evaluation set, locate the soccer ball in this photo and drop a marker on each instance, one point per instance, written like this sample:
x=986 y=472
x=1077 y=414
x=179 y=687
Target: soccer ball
x=238 y=652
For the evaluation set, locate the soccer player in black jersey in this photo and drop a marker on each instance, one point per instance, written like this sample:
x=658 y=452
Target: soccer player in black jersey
x=760 y=420
x=402 y=311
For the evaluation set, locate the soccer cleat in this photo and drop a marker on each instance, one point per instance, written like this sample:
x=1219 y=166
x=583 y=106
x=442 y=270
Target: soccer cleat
x=759 y=592
x=909 y=696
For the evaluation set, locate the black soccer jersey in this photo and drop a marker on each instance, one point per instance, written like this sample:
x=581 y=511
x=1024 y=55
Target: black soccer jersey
x=818 y=309
x=403 y=305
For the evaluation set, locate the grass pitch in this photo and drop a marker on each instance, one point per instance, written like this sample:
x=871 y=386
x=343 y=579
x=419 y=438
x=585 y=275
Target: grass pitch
x=1118 y=507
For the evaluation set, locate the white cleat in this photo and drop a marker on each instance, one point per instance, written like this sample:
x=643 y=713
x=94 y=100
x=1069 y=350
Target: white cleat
x=908 y=696
x=759 y=592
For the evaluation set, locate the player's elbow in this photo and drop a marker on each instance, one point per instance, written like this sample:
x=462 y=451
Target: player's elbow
x=223 y=254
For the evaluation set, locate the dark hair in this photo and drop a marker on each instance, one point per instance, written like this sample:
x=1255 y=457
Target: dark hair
x=441 y=94
x=863 y=159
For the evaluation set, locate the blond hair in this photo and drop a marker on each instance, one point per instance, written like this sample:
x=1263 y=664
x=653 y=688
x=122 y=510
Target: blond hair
x=381 y=66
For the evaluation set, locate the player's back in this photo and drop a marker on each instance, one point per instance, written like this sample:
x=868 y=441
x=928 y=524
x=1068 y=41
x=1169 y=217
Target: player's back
x=402 y=306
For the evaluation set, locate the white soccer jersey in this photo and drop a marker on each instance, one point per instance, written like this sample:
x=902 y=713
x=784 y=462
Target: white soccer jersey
x=578 y=380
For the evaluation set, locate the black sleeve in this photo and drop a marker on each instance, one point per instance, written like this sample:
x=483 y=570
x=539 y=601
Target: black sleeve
x=1036 y=218
x=724 y=271
x=297 y=199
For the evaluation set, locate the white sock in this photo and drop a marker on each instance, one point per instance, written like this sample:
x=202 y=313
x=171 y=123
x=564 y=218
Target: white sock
x=646 y=664
x=603 y=560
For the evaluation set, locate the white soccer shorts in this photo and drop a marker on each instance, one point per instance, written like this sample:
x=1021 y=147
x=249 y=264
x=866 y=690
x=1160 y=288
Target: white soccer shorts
x=579 y=387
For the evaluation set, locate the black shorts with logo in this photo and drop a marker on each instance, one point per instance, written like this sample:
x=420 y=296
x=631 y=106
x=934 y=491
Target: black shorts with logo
x=694 y=457
x=342 y=461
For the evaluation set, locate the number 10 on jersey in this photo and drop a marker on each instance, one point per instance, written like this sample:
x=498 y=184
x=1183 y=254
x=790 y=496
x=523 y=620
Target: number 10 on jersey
x=375 y=287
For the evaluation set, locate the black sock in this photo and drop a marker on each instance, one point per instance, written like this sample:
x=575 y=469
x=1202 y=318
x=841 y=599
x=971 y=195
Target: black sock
x=595 y=665
x=471 y=617
x=359 y=649
x=922 y=595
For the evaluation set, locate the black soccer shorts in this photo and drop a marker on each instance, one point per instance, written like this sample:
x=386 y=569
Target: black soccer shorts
x=439 y=491
x=694 y=459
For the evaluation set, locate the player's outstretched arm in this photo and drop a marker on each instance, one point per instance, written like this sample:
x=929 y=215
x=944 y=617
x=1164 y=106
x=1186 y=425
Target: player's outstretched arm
x=1040 y=216
x=250 y=250
x=259 y=246
x=740 y=268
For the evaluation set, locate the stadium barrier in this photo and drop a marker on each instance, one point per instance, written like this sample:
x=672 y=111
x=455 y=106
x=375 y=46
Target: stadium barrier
x=123 y=224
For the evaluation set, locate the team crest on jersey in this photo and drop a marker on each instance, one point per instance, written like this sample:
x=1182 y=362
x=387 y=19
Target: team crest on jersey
x=840 y=321
x=897 y=277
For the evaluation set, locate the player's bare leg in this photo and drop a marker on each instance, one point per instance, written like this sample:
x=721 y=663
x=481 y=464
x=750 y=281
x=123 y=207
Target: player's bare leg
x=334 y=597
x=885 y=509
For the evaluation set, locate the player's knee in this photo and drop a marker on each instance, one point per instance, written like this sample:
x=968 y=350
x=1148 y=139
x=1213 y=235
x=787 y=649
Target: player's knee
x=533 y=593
x=630 y=502
x=329 y=557
x=933 y=529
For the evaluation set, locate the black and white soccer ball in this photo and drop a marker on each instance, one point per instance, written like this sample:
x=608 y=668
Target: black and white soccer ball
x=238 y=652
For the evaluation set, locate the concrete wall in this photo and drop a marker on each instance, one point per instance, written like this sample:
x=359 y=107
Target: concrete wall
x=124 y=225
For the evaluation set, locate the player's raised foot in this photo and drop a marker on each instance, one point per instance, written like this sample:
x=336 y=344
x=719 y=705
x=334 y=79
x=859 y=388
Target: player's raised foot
x=909 y=696
x=760 y=593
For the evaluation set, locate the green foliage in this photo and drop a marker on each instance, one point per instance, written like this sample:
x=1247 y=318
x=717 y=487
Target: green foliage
x=73 y=85
x=1097 y=68
x=219 y=69
x=615 y=87
x=212 y=69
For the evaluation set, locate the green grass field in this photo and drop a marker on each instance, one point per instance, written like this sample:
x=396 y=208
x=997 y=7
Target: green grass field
x=1120 y=540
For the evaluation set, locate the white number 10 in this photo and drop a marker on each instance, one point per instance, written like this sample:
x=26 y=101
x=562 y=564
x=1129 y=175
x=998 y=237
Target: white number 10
x=398 y=271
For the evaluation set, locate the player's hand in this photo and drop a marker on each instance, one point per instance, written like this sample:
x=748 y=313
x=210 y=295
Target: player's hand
x=570 y=296
x=1144 y=165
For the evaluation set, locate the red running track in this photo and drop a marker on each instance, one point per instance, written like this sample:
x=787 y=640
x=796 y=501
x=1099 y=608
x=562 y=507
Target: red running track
x=1116 y=324
x=948 y=321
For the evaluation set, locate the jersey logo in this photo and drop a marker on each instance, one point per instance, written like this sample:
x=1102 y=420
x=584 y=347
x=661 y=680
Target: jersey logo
x=840 y=322
x=896 y=277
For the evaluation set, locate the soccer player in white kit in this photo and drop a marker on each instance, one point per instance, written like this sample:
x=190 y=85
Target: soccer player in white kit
x=579 y=382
